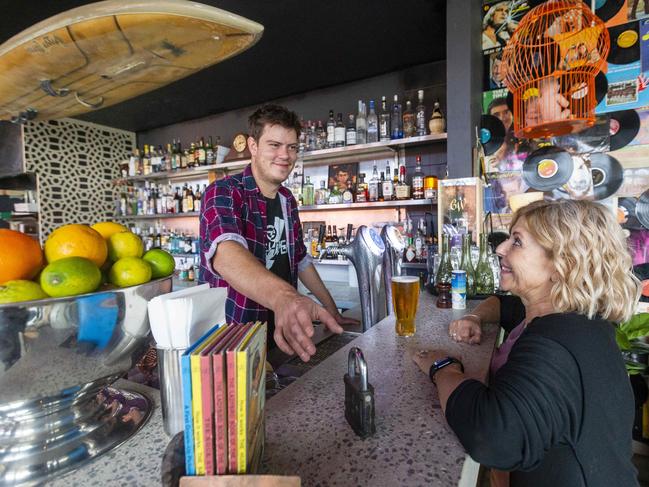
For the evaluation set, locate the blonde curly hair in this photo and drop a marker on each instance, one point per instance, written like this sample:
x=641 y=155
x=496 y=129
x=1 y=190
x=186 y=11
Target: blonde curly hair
x=590 y=255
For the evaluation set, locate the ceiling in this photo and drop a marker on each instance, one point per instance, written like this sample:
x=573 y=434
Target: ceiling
x=306 y=45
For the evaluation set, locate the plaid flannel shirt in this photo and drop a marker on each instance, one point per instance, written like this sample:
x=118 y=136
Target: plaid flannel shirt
x=234 y=209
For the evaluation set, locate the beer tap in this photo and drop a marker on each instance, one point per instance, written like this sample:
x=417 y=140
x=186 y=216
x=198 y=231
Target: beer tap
x=392 y=260
x=366 y=253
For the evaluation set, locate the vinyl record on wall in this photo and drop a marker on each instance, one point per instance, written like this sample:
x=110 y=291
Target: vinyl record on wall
x=607 y=175
x=547 y=168
x=642 y=209
x=579 y=90
x=626 y=214
x=606 y=9
x=625 y=43
x=624 y=126
x=641 y=271
x=492 y=133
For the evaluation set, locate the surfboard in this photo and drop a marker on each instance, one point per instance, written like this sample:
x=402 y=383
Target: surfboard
x=104 y=53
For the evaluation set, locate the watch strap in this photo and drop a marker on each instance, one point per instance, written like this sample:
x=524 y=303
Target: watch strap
x=440 y=364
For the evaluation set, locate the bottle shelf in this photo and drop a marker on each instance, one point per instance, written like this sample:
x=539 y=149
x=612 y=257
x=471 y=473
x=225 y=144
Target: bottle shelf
x=373 y=204
x=312 y=158
x=337 y=154
x=161 y=215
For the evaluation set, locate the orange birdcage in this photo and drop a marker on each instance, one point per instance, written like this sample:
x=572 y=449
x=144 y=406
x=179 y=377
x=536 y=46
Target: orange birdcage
x=551 y=62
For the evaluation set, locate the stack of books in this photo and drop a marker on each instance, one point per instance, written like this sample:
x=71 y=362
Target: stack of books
x=224 y=387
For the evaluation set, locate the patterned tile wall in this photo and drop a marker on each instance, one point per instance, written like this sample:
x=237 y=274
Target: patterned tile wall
x=75 y=162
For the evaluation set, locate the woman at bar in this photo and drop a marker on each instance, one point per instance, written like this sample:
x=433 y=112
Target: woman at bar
x=559 y=408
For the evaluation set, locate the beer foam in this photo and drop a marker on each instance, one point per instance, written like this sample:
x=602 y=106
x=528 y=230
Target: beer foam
x=405 y=279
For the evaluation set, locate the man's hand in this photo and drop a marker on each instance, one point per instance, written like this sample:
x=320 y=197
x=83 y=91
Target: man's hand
x=294 y=317
x=342 y=320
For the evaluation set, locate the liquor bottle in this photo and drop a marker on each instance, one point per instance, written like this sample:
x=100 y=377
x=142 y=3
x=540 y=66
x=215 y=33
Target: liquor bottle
x=361 y=124
x=409 y=121
x=134 y=168
x=146 y=161
x=437 y=123
x=410 y=253
x=419 y=240
x=372 y=125
x=330 y=241
x=209 y=152
x=350 y=132
x=201 y=153
x=373 y=185
x=361 y=189
x=381 y=181
x=311 y=138
x=178 y=201
x=444 y=272
x=321 y=194
x=420 y=114
x=396 y=121
x=348 y=194
x=484 y=276
x=160 y=200
x=402 y=190
x=339 y=132
x=384 y=122
x=418 y=181
x=301 y=147
x=296 y=187
x=171 y=157
x=191 y=155
x=197 y=199
x=331 y=129
x=308 y=194
x=395 y=182
x=184 y=156
x=388 y=186
x=171 y=205
x=467 y=266
x=321 y=136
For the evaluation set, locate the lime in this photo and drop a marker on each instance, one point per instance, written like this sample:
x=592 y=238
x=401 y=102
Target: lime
x=20 y=290
x=130 y=271
x=124 y=244
x=162 y=263
x=70 y=277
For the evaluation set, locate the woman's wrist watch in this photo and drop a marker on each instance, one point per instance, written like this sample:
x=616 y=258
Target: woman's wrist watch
x=440 y=364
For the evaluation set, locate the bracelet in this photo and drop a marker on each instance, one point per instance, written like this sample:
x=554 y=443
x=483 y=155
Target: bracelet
x=440 y=364
x=474 y=315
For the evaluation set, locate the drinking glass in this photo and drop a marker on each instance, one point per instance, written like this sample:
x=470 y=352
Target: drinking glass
x=405 y=298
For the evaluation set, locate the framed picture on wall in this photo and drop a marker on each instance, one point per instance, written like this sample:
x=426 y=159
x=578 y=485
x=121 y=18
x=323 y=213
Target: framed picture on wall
x=341 y=174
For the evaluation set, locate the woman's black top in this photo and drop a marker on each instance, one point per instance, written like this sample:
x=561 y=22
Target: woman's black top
x=559 y=412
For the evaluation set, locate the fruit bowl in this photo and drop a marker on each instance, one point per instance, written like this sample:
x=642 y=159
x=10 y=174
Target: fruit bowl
x=57 y=357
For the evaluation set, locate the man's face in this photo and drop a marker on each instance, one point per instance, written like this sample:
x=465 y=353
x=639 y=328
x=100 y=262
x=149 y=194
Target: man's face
x=274 y=155
x=497 y=71
x=341 y=178
x=504 y=114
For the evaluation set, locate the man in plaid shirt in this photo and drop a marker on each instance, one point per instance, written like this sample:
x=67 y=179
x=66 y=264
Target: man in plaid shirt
x=251 y=241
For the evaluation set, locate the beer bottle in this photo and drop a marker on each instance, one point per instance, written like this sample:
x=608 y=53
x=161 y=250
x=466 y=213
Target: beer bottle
x=467 y=266
x=484 y=276
x=445 y=268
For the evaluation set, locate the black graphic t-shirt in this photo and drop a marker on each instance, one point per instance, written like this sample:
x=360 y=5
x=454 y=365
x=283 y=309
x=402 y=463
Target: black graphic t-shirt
x=276 y=252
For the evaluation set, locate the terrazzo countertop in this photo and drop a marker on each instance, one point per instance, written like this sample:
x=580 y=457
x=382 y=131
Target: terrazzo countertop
x=306 y=430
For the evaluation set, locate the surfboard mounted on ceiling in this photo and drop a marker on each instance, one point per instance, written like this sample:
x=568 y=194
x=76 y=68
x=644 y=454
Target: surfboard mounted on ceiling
x=104 y=53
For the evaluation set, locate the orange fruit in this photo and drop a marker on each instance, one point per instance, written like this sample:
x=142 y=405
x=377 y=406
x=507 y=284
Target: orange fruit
x=20 y=256
x=124 y=244
x=76 y=241
x=106 y=229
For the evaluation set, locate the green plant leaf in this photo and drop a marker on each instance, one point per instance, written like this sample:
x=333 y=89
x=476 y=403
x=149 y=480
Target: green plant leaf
x=636 y=327
x=622 y=340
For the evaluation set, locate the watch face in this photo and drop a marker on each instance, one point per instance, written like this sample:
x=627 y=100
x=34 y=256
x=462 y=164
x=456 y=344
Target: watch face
x=239 y=143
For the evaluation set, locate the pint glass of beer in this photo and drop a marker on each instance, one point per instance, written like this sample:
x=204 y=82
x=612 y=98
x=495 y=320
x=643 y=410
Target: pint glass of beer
x=405 y=297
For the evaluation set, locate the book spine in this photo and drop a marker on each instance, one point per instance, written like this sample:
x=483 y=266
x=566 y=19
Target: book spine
x=220 y=415
x=197 y=411
x=208 y=413
x=232 y=411
x=185 y=368
x=242 y=404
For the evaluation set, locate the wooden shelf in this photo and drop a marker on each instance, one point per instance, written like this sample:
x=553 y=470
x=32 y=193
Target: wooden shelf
x=365 y=206
x=312 y=158
x=163 y=215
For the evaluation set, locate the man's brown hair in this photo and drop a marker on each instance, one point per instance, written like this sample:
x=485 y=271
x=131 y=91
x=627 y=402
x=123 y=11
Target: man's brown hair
x=272 y=115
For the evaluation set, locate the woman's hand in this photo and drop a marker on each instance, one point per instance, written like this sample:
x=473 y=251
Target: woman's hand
x=466 y=330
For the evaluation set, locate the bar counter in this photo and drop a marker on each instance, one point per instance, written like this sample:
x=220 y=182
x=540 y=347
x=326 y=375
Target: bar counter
x=306 y=430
